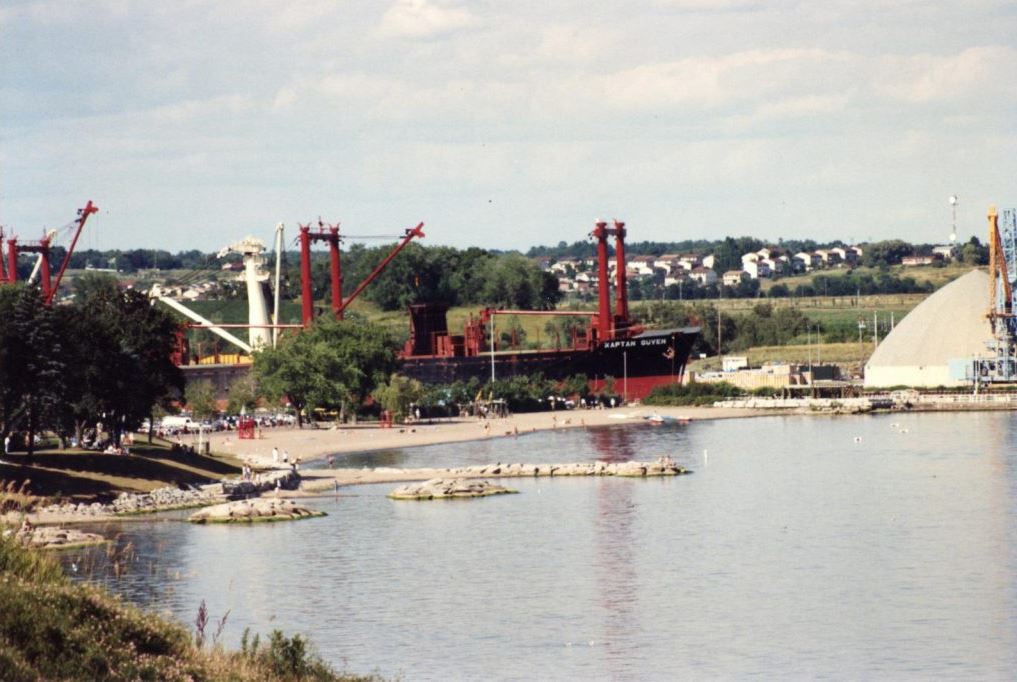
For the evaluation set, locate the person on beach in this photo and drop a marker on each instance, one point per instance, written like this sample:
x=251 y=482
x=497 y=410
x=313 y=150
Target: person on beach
x=286 y=457
x=331 y=462
x=275 y=455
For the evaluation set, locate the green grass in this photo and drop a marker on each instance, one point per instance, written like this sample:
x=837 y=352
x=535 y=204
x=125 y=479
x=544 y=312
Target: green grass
x=53 y=629
x=83 y=475
x=921 y=274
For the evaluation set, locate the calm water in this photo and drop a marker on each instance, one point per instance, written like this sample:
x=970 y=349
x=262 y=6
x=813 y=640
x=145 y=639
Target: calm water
x=793 y=552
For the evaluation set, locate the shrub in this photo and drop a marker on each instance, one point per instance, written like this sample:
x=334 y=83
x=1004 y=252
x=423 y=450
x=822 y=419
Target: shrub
x=692 y=394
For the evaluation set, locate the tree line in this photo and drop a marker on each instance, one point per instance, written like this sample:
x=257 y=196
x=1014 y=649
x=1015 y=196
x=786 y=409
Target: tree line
x=103 y=359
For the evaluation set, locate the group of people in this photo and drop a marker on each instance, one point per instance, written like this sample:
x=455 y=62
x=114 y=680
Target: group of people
x=276 y=455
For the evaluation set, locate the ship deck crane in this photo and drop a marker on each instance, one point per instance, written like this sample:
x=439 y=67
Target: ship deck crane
x=333 y=238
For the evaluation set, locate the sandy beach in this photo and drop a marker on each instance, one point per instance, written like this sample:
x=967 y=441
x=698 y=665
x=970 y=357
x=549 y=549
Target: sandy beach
x=310 y=443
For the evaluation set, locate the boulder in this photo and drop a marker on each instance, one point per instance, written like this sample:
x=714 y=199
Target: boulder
x=53 y=537
x=254 y=510
x=445 y=488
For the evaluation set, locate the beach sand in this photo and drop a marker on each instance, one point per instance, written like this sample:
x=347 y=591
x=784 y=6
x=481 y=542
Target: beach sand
x=310 y=443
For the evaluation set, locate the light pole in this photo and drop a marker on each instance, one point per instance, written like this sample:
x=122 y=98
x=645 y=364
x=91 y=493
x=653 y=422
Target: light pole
x=492 y=350
x=861 y=344
x=808 y=344
x=953 y=225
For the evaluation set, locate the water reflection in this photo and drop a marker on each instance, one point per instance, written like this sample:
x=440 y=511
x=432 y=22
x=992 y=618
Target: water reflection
x=614 y=572
x=810 y=547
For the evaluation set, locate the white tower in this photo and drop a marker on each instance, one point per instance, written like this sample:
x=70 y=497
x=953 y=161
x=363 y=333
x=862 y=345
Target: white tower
x=252 y=249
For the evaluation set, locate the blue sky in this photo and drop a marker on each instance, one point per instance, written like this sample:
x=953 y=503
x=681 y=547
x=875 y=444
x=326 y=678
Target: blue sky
x=505 y=125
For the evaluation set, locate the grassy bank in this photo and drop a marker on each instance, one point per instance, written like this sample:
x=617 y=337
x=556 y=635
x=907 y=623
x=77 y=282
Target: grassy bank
x=84 y=475
x=51 y=628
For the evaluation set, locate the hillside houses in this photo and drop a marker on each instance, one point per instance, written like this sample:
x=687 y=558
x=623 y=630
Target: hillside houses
x=579 y=276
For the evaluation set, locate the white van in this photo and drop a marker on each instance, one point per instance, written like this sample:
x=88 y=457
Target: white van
x=176 y=422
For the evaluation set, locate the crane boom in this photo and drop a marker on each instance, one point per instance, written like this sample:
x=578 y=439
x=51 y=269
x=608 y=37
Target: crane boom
x=156 y=295
x=83 y=214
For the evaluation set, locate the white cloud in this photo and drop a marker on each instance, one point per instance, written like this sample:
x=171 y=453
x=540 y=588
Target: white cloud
x=982 y=71
x=423 y=19
x=716 y=81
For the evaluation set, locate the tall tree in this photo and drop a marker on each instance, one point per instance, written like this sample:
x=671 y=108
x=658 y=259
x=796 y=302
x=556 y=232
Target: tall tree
x=123 y=350
x=334 y=365
x=44 y=363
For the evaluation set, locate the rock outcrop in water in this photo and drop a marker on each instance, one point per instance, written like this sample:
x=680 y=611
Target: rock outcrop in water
x=663 y=466
x=51 y=537
x=443 y=488
x=254 y=510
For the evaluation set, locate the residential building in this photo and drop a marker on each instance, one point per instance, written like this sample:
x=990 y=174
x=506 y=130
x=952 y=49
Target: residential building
x=828 y=256
x=947 y=252
x=756 y=269
x=733 y=278
x=704 y=275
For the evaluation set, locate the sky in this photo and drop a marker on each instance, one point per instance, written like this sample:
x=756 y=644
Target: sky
x=507 y=124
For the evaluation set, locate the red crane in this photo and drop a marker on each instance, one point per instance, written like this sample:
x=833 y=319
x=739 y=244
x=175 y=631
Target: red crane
x=333 y=239
x=42 y=247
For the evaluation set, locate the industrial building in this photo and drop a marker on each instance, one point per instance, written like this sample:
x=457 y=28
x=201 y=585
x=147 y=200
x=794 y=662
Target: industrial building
x=935 y=344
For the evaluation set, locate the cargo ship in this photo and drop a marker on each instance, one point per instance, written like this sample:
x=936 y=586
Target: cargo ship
x=611 y=345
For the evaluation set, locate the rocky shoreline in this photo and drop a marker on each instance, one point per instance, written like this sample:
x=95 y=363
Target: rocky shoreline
x=170 y=498
x=323 y=479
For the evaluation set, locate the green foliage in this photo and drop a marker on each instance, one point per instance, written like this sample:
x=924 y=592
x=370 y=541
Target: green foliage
x=865 y=284
x=116 y=368
x=334 y=365
x=768 y=326
x=511 y=333
x=888 y=252
x=522 y=393
x=242 y=395
x=53 y=629
x=199 y=397
x=973 y=253
x=445 y=275
x=513 y=281
x=577 y=384
x=398 y=394
x=691 y=394
x=563 y=329
x=121 y=364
